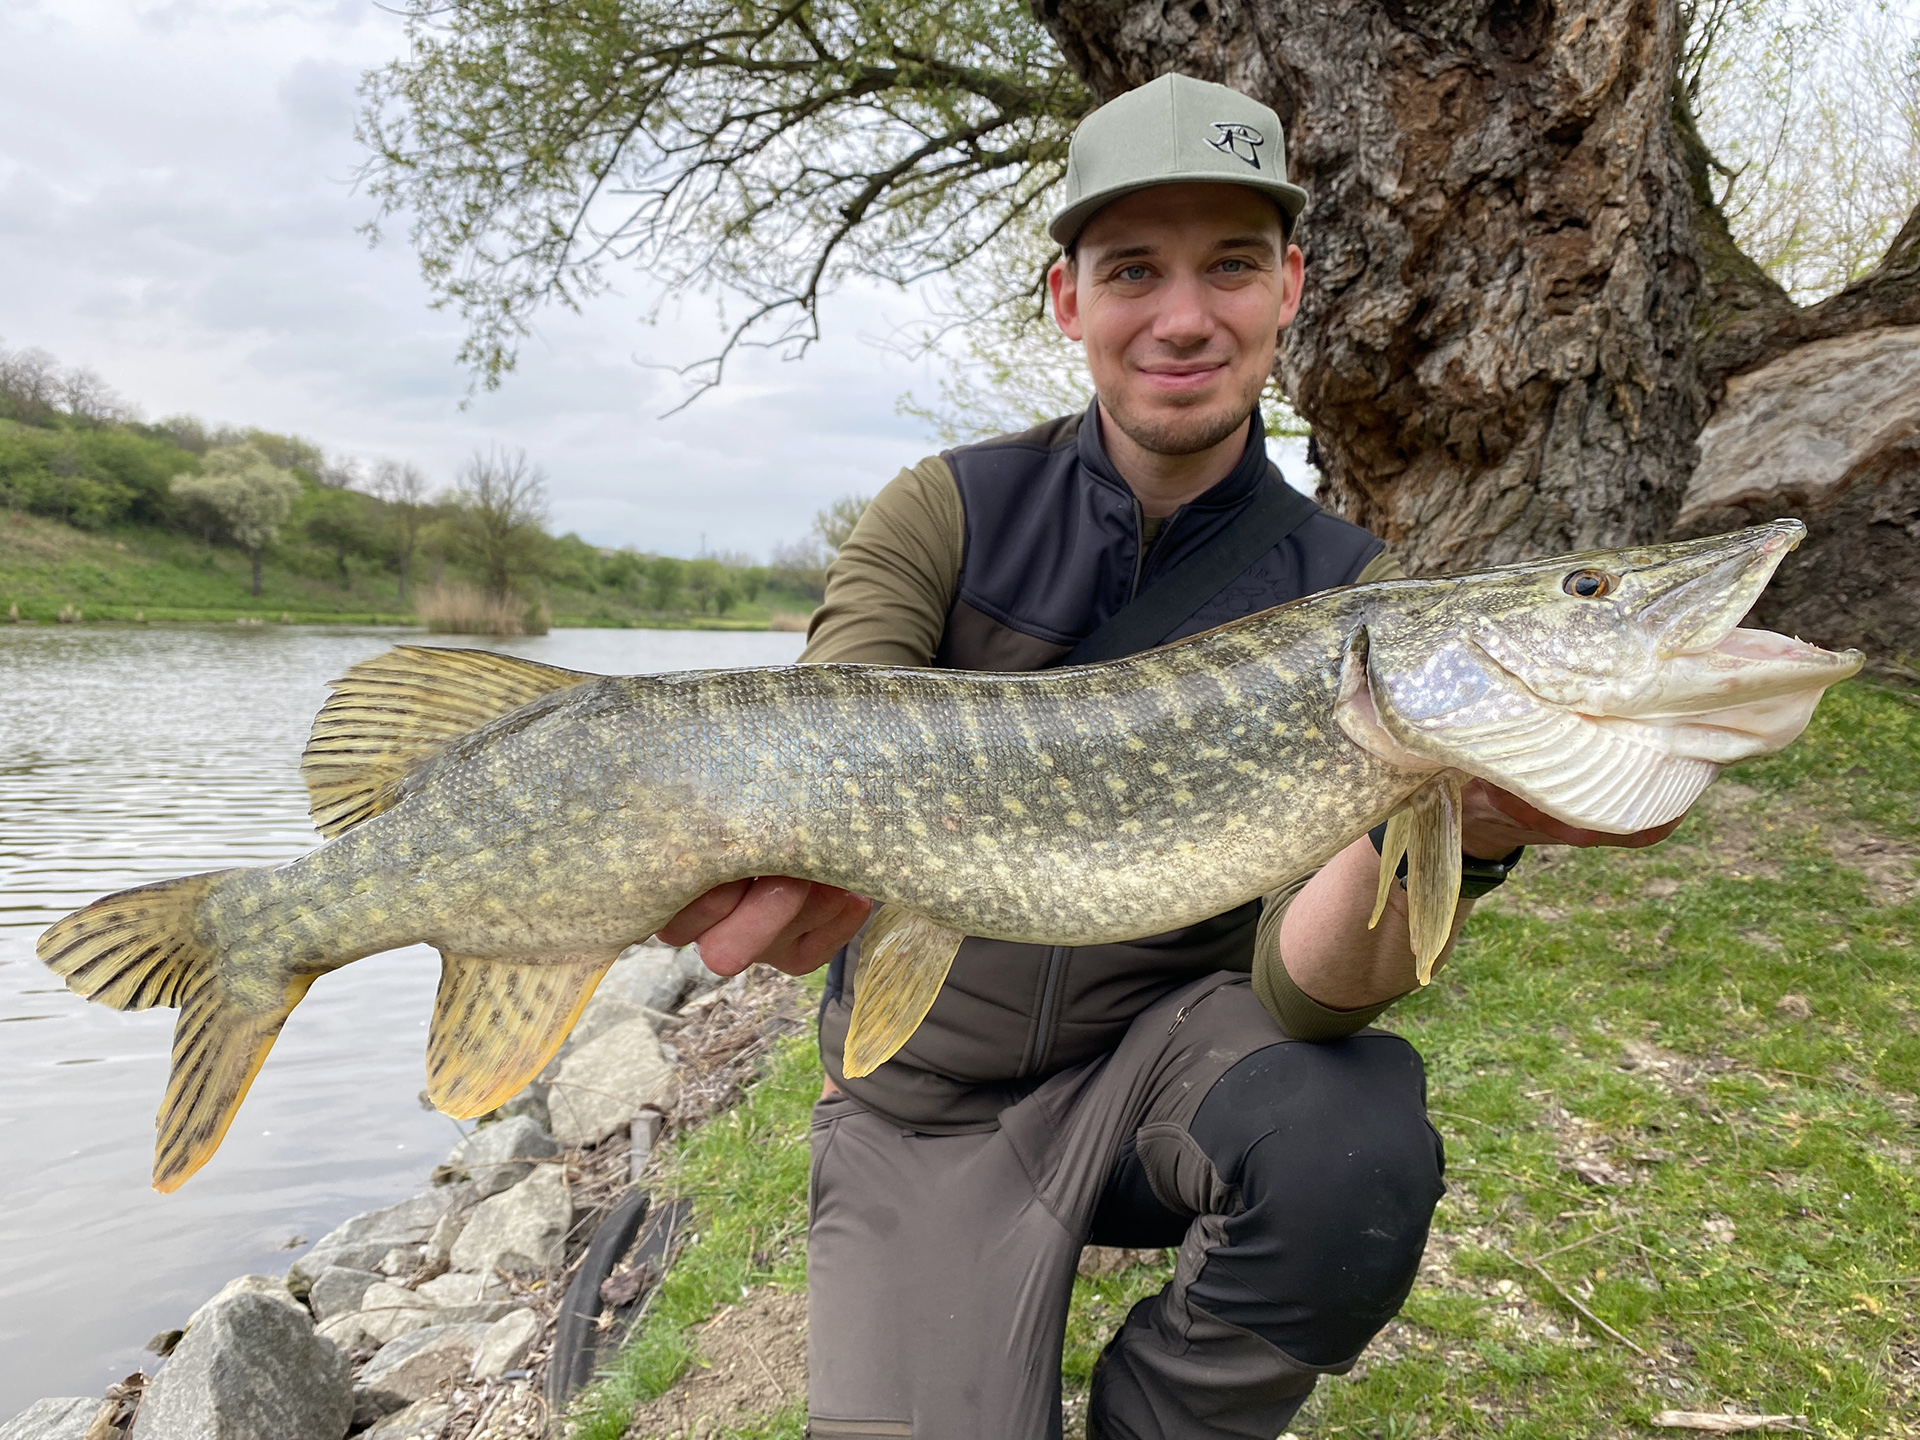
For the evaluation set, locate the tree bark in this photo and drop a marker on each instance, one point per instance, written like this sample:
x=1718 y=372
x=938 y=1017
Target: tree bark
x=1522 y=303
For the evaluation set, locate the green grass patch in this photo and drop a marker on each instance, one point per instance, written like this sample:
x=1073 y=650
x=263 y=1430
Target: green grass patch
x=746 y=1171
x=1612 y=1007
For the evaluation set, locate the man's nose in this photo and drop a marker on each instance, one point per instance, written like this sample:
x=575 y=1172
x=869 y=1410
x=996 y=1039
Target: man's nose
x=1184 y=318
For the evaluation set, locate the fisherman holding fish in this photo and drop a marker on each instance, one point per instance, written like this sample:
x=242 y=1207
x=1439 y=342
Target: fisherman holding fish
x=1216 y=1088
x=1060 y=701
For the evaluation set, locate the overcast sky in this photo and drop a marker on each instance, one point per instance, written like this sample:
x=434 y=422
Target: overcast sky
x=177 y=211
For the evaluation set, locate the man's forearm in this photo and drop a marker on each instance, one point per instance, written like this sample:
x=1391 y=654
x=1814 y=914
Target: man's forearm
x=1325 y=943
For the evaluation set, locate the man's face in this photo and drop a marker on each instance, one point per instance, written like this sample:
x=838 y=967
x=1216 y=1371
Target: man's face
x=1179 y=294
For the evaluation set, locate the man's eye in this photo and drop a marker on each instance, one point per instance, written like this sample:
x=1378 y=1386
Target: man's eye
x=1132 y=274
x=1235 y=267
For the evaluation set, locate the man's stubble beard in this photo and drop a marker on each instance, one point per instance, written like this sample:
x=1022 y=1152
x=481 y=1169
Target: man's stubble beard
x=1184 y=434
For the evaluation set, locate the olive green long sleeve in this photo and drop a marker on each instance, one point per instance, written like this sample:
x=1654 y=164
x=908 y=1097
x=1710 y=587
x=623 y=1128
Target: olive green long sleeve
x=888 y=595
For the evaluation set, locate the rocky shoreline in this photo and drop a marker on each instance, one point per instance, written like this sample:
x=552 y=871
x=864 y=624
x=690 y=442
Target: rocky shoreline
x=439 y=1318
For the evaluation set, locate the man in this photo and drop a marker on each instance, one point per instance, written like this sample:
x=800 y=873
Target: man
x=1216 y=1088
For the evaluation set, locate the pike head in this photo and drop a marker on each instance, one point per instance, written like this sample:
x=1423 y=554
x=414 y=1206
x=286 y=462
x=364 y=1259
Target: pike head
x=1605 y=688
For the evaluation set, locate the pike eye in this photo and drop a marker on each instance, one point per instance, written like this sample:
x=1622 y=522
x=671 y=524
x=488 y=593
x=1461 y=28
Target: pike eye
x=1588 y=584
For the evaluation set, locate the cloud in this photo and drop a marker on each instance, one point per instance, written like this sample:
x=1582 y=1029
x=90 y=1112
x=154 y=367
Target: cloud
x=177 y=210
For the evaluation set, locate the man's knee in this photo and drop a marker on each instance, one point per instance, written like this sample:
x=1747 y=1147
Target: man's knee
x=1338 y=1172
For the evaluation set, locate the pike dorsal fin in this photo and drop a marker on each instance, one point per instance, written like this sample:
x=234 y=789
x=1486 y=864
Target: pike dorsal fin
x=393 y=712
x=1427 y=832
x=495 y=1026
x=904 y=959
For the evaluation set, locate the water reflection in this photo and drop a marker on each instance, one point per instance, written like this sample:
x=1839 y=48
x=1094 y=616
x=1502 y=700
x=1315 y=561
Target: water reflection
x=132 y=755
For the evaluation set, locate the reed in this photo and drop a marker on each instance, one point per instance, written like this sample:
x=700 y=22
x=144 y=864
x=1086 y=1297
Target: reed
x=454 y=609
x=789 y=620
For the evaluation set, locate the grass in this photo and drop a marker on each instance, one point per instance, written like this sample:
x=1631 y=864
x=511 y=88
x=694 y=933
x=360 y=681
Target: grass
x=164 y=576
x=747 y=1171
x=1724 y=1031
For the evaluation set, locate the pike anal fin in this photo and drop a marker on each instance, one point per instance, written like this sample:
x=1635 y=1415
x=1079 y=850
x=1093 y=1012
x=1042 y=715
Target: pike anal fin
x=904 y=959
x=496 y=1024
x=1427 y=832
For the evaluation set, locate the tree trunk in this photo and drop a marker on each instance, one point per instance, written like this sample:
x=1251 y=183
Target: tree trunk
x=1522 y=306
x=256 y=573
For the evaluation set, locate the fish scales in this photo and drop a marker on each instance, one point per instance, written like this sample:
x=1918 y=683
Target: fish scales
x=530 y=823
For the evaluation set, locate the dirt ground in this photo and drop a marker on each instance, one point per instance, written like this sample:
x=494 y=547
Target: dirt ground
x=753 y=1360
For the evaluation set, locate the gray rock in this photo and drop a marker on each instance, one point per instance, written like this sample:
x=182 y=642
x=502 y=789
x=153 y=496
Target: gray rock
x=531 y=1102
x=402 y=1260
x=363 y=1242
x=439 y=1252
x=64 y=1418
x=600 y=1085
x=338 y=1291
x=419 y=1421
x=415 y=1367
x=499 y=1156
x=271 y=1286
x=386 y=1311
x=459 y=1288
x=522 y=1230
x=505 y=1348
x=252 y=1367
x=656 y=977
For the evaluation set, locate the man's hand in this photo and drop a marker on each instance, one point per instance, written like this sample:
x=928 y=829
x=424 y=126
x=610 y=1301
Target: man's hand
x=792 y=925
x=1494 y=823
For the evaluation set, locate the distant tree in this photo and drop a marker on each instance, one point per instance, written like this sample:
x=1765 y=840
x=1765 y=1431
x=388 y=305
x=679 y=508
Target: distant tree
x=835 y=523
x=403 y=486
x=503 y=502
x=29 y=386
x=251 y=495
x=666 y=577
x=340 y=522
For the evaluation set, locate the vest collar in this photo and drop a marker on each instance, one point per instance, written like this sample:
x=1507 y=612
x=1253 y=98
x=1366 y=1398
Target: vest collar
x=1239 y=485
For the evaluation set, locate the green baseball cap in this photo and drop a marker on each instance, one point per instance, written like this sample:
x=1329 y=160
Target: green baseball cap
x=1170 y=131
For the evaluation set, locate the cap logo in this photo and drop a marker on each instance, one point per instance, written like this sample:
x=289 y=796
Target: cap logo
x=1243 y=142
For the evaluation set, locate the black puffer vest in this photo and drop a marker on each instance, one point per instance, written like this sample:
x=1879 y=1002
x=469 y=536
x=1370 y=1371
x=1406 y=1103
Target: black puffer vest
x=1052 y=550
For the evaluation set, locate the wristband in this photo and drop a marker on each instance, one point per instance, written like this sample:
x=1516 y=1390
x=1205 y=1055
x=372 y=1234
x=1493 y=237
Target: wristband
x=1477 y=876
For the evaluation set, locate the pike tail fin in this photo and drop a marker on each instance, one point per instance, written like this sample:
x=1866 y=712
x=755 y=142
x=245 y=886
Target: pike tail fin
x=1427 y=832
x=904 y=959
x=495 y=1026
x=144 y=947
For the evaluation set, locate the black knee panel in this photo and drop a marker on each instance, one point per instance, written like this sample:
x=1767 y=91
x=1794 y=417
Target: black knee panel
x=1339 y=1171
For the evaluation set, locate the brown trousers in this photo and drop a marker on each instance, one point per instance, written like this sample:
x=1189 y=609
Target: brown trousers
x=940 y=1266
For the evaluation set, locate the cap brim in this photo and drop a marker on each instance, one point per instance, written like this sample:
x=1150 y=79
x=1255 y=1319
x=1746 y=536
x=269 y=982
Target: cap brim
x=1065 y=226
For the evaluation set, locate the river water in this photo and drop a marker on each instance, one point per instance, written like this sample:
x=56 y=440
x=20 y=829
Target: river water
x=132 y=755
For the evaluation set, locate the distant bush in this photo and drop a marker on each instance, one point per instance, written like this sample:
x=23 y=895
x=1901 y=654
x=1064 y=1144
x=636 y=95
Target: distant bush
x=454 y=609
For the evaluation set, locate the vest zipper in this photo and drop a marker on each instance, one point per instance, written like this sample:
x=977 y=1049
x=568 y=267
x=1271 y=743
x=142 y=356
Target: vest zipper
x=1139 y=547
x=1049 y=1002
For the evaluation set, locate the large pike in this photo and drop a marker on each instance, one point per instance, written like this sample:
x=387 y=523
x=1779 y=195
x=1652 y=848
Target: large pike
x=531 y=822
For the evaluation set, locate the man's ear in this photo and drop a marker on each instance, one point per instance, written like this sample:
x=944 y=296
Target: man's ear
x=1061 y=287
x=1293 y=283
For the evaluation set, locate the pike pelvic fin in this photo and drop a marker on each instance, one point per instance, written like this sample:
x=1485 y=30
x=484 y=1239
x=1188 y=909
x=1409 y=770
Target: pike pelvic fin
x=904 y=959
x=495 y=1026
x=1427 y=832
x=143 y=948
x=390 y=714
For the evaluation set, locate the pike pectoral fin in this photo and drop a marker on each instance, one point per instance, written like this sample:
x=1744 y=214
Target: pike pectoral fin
x=394 y=712
x=495 y=1026
x=904 y=959
x=1433 y=871
x=1427 y=832
x=1399 y=827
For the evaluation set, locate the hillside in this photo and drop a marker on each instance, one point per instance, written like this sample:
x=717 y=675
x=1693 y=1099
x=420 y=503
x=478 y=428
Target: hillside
x=131 y=571
x=106 y=517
